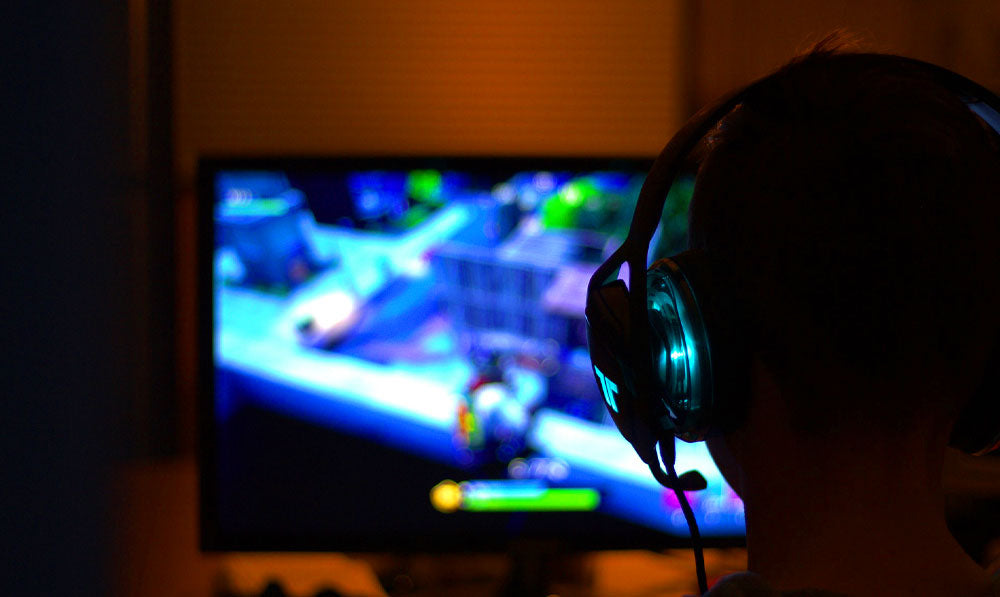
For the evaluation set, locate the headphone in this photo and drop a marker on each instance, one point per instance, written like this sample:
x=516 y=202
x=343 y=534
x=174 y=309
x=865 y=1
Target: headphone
x=666 y=352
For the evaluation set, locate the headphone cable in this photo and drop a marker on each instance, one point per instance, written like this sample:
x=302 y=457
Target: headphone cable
x=669 y=480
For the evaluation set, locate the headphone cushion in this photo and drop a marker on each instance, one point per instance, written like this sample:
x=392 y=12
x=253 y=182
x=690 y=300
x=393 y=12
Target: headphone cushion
x=608 y=339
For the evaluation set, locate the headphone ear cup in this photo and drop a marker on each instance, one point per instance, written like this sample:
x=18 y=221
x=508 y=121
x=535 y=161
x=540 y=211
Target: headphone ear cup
x=681 y=358
x=977 y=430
x=608 y=334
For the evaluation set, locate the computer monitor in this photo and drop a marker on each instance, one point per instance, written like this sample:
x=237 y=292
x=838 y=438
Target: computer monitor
x=395 y=358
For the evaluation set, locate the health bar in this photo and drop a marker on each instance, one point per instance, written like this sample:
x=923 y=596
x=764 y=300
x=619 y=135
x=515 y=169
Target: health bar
x=506 y=496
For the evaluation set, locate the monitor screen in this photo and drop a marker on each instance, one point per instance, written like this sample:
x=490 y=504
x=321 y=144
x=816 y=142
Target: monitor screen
x=395 y=358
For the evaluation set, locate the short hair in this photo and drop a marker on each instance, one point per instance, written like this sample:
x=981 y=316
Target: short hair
x=853 y=202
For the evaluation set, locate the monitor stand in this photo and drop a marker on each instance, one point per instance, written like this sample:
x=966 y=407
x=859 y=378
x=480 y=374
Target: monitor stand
x=542 y=569
x=525 y=570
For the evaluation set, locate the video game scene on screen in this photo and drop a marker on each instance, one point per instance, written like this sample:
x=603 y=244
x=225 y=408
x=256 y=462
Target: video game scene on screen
x=440 y=313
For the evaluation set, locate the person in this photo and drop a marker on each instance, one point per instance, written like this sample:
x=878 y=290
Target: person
x=853 y=205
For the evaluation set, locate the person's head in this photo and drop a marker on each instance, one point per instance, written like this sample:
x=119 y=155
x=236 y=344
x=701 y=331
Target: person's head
x=852 y=206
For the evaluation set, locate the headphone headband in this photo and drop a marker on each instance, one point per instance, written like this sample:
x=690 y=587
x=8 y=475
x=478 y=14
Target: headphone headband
x=667 y=166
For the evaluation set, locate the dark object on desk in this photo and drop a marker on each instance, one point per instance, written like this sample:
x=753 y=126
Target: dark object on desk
x=275 y=589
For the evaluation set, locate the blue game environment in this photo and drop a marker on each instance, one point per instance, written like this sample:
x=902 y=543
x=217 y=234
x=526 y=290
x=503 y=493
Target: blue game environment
x=400 y=356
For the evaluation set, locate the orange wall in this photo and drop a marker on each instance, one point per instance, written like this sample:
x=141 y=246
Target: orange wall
x=431 y=76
